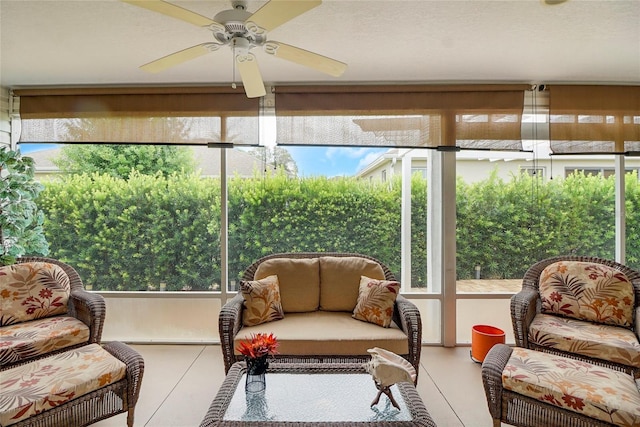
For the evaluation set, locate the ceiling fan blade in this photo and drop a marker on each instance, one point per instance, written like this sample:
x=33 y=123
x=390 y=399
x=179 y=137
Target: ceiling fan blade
x=306 y=58
x=276 y=12
x=250 y=74
x=173 y=11
x=179 y=57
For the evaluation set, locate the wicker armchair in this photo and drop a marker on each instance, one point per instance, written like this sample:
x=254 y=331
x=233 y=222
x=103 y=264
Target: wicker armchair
x=526 y=309
x=85 y=306
x=405 y=315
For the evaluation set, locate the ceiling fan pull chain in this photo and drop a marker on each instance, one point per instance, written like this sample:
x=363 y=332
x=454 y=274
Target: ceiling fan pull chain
x=233 y=77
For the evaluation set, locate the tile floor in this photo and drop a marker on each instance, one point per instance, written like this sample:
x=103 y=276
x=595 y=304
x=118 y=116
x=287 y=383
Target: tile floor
x=180 y=381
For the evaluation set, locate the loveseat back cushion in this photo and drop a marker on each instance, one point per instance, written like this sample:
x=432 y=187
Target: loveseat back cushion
x=587 y=291
x=299 y=282
x=340 y=280
x=32 y=290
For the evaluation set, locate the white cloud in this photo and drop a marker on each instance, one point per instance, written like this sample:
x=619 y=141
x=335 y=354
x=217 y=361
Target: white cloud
x=352 y=153
x=368 y=159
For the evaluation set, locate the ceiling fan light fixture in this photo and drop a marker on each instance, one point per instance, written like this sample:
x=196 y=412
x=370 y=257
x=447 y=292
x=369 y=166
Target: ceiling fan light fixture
x=240 y=45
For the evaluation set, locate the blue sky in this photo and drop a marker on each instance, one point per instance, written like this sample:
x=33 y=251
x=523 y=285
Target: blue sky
x=28 y=148
x=311 y=161
x=332 y=161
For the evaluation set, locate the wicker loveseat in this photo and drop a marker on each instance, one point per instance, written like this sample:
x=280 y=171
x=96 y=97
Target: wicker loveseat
x=320 y=294
x=45 y=310
x=581 y=307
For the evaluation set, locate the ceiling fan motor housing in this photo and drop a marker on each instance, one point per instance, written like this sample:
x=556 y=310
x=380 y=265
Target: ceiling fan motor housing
x=234 y=24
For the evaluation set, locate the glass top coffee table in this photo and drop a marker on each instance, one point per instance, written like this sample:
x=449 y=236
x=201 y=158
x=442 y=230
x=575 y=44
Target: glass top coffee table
x=306 y=394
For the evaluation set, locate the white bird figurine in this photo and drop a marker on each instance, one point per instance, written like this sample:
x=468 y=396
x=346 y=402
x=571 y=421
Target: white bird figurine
x=387 y=369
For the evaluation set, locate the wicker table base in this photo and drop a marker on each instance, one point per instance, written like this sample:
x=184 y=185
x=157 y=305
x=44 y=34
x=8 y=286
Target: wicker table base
x=308 y=394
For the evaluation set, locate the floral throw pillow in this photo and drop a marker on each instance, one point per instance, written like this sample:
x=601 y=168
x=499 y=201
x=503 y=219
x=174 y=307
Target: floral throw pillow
x=587 y=291
x=375 y=301
x=261 y=301
x=32 y=290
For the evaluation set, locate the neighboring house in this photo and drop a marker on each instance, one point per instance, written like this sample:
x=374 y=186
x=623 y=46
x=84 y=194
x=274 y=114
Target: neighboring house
x=474 y=166
x=207 y=160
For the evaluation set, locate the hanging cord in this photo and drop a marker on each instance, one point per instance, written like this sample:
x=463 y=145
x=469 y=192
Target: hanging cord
x=233 y=66
x=536 y=218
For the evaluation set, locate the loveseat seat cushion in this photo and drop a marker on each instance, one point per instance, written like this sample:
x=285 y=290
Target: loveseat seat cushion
x=587 y=291
x=299 y=282
x=43 y=384
x=596 y=392
x=340 y=281
x=606 y=342
x=27 y=340
x=328 y=333
x=32 y=290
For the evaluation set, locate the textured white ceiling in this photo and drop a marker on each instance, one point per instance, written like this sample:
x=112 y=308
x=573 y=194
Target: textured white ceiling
x=103 y=42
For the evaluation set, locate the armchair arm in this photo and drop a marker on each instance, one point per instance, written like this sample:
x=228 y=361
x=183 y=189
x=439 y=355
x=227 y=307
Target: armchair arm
x=229 y=324
x=524 y=307
x=90 y=309
x=407 y=317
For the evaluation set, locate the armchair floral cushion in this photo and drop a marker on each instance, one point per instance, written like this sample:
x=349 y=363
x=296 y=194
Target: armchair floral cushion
x=26 y=340
x=44 y=309
x=587 y=291
x=32 y=388
x=597 y=341
x=32 y=291
x=594 y=391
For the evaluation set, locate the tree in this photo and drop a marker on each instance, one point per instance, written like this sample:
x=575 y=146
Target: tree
x=276 y=158
x=118 y=160
x=21 y=220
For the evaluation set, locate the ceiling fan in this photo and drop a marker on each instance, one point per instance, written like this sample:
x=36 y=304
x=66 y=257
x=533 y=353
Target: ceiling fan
x=243 y=31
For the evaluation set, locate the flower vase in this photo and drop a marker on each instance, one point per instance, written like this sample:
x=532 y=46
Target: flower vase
x=256 y=370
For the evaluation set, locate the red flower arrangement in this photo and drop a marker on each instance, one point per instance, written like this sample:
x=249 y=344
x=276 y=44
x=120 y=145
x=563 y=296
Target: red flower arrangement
x=260 y=345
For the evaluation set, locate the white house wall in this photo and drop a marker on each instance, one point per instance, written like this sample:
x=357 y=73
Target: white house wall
x=474 y=169
x=5 y=122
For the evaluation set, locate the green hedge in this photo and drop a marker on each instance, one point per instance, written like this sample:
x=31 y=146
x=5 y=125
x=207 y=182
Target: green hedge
x=278 y=214
x=506 y=226
x=134 y=234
